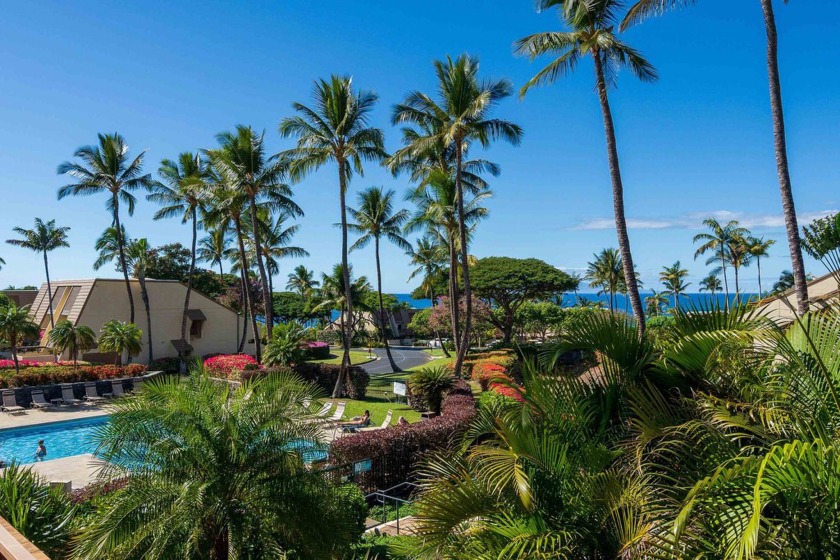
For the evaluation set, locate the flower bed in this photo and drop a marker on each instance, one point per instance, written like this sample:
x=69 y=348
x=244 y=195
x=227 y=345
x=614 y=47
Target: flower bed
x=485 y=373
x=10 y=364
x=395 y=452
x=50 y=374
x=230 y=366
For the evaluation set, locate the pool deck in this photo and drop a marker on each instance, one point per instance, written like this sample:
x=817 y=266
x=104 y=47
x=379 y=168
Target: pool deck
x=49 y=415
x=78 y=470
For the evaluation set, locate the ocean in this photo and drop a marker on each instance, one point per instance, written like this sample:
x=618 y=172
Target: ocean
x=620 y=300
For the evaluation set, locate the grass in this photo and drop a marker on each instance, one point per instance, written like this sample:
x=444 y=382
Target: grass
x=435 y=352
x=433 y=363
x=377 y=401
x=355 y=358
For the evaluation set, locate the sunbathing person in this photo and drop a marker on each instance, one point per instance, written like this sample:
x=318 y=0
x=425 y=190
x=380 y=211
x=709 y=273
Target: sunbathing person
x=356 y=422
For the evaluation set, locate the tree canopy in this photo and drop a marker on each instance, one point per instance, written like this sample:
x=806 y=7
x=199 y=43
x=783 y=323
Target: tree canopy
x=507 y=283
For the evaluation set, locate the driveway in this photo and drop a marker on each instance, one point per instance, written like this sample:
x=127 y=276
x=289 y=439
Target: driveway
x=404 y=356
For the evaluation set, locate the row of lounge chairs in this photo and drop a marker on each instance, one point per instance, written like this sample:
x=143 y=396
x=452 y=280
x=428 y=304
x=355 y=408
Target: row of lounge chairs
x=68 y=398
x=334 y=420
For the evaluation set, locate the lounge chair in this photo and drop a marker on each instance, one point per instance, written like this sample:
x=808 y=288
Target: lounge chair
x=325 y=409
x=38 y=400
x=90 y=392
x=339 y=412
x=67 y=396
x=117 y=390
x=385 y=423
x=10 y=405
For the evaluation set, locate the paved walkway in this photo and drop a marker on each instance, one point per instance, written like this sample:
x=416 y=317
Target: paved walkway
x=404 y=356
x=78 y=470
x=46 y=416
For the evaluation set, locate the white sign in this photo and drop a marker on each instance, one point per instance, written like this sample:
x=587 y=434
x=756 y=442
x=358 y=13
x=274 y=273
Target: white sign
x=399 y=388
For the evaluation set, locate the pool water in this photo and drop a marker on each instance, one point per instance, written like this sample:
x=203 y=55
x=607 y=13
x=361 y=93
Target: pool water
x=75 y=437
x=62 y=439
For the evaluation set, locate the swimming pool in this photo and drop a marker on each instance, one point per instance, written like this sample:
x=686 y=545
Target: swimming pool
x=75 y=437
x=62 y=439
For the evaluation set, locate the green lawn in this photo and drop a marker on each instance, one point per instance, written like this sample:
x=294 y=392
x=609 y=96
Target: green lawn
x=434 y=363
x=378 y=403
x=435 y=352
x=356 y=358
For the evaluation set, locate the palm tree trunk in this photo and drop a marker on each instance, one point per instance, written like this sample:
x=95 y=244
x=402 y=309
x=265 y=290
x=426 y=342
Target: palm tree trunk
x=347 y=326
x=267 y=303
x=123 y=264
x=758 y=265
x=189 y=277
x=465 y=265
x=737 y=287
x=246 y=289
x=49 y=295
x=391 y=361
x=788 y=206
x=618 y=197
x=725 y=280
x=144 y=294
x=437 y=332
x=221 y=272
x=454 y=309
x=13 y=344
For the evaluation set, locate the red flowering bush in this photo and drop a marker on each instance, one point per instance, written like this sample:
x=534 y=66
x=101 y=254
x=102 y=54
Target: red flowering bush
x=507 y=388
x=10 y=364
x=230 y=365
x=485 y=373
x=50 y=374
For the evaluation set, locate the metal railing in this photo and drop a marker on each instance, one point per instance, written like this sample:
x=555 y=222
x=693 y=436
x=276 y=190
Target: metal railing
x=389 y=496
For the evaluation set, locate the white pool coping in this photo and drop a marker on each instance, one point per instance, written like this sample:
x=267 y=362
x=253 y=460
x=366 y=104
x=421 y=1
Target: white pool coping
x=34 y=417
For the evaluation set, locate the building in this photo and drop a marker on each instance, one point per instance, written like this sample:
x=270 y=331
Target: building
x=211 y=327
x=782 y=307
x=21 y=297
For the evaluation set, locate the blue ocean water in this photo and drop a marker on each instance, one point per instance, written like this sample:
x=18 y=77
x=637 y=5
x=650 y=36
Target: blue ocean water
x=62 y=439
x=620 y=301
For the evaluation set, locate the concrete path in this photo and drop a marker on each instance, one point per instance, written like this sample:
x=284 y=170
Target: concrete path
x=404 y=356
x=49 y=415
x=78 y=470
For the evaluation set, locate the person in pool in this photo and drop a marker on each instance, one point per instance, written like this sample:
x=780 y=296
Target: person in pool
x=41 y=452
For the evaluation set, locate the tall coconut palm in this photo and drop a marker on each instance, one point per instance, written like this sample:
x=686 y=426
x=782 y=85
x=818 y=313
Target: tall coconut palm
x=241 y=159
x=336 y=130
x=120 y=338
x=784 y=283
x=673 y=278
x=108 y=247
x=428 y=256
x=276 y=238
x=606 y=272
x=137 y=254
x=43 y=238
x=15 y=325
x=211 y=471
x=302 y=280
x=711 y=284
x=212 y=248
x=376 y=219
x=759 y=248
x=738 y=256
x=182 y=194
x=459 y=118
x=225 y=209
x=717 y=242
x=643 y=9
x=107 y=169
x=656 y=302
x=66 y=336
x=592 y=32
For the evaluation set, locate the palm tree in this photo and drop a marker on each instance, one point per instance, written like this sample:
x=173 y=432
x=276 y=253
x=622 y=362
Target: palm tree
x=592 y=32
x=672 y=277
x=607 y=273
x=333 y=296
x=711 y=284
x=276 y=237
x=646 y=8
x=182 y=196
x=656 y=302
x=43 y=238
x=302 y=280
x=459 y=118
x=718 y=242
x=758 y=248
x=336 y=130
x=428 y=256
x=66 y=336
x=212 y=248
x=374 y=219
x=2 y=262
x=137 y=254
x=738 y=256
x=107 y=169
x=216 y=472
x=784 y=283
x=15 y=325
x=108 y=246
x=242 y=161
x=120 y=337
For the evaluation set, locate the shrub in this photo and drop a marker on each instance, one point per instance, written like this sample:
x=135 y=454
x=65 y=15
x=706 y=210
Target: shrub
x=330 y=337
x=507 y=388
x=317 y=350
x=52 y=374
x=485 y=373
x=166 y=365
x=396 y=451
x=325 y=376
x=285 y=346
x=229 y=365
x=428 y=386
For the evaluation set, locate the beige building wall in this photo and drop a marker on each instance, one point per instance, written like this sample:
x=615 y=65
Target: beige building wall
x=782 y=308
x=103 y=300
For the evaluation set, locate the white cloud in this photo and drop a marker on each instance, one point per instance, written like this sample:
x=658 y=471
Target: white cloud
x=693 y=220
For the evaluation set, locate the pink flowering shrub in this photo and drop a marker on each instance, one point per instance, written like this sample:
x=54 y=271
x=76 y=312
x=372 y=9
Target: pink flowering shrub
x=7 y=364
x=317 y=350
x=230 y=365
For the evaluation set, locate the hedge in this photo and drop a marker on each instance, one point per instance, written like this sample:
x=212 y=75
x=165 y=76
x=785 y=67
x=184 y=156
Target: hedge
x=323 y=375
x=395 y=451
x=317 y=350
x=51 y=375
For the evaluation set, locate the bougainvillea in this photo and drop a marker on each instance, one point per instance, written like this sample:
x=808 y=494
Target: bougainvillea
x=227 y=365
x=7 y=364
x=317 y=350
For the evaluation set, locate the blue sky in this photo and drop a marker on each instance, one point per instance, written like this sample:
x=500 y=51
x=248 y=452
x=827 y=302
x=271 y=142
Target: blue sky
x=169 y=76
